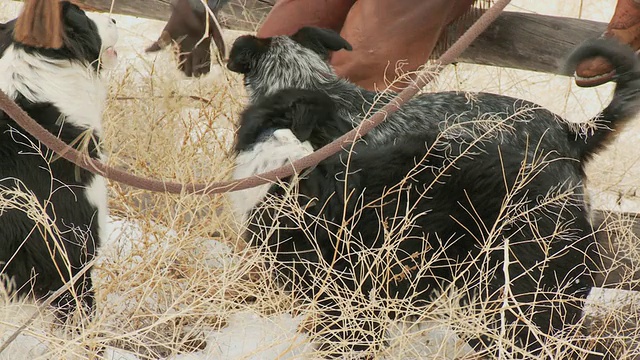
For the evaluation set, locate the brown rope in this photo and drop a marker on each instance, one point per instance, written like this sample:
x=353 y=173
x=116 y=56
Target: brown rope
x=451 y=33
x=48 y=139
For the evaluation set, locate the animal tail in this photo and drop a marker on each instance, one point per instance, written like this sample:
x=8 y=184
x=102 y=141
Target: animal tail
x=626 y=97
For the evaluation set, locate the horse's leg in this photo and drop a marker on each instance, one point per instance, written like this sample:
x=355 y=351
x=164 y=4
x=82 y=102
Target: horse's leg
x=384 y=33
x=287 y=16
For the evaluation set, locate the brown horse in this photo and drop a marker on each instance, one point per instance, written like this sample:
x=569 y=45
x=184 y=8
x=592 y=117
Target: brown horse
x=389 y=38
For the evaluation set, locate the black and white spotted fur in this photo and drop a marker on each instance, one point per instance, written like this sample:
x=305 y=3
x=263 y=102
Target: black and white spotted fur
x=453 y=186
x=63 y=91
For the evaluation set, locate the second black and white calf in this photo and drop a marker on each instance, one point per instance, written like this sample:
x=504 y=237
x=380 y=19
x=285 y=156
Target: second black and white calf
x=53 y=213
x=472 y=191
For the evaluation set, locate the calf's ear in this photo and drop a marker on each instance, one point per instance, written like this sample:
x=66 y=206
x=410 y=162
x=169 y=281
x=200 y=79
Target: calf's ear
x=307 y=111
x=245 y=53
x=321 y=41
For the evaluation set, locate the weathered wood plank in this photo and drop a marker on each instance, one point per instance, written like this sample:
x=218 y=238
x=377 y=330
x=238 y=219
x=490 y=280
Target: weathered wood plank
x=245 y=14
x=515 y=40
x=151 y=9
x=237 y=15
x=530 y=42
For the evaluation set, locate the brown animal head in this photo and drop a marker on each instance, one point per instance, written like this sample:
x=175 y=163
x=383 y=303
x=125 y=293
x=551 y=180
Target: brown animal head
x=187 y=28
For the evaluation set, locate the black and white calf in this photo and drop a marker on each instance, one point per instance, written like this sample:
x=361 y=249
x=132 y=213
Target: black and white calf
x=477 y=191
x=63 y=91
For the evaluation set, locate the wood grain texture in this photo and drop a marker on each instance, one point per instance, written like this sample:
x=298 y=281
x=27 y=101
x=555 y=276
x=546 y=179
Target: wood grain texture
x=237 y=15
x=530 y=42
x=516 y=40
x=151 y=9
